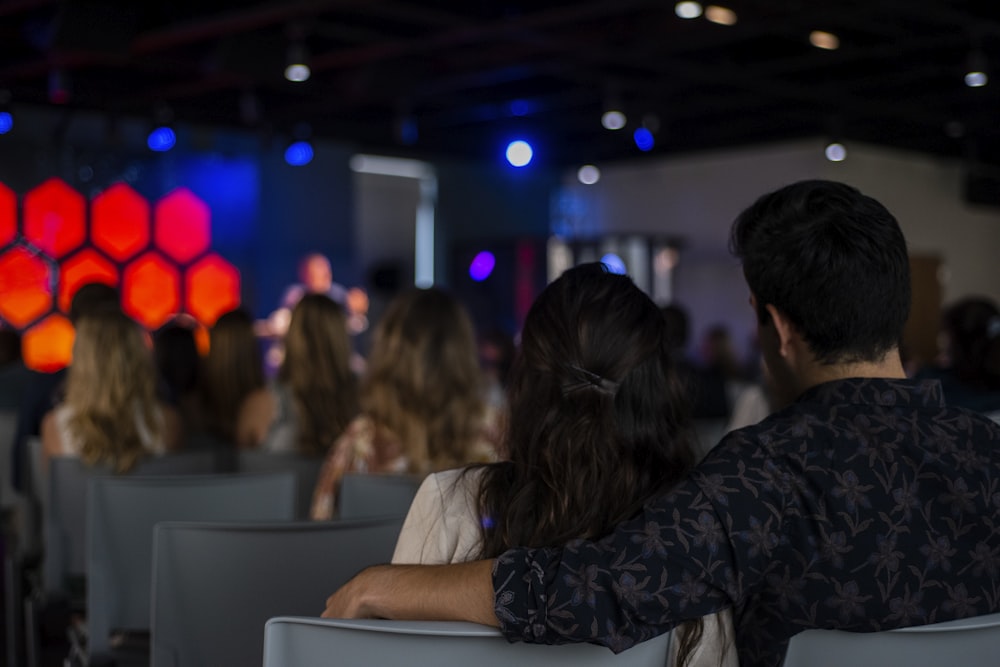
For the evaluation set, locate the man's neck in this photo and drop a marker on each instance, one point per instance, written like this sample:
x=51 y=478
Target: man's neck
x=889 y=367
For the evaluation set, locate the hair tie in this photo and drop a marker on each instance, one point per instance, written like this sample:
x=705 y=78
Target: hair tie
x=584 y=378
x=993 y=327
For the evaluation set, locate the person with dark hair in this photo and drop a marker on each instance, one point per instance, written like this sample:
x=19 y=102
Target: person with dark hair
x=866 y=504
x=178 y=364
x=15 y=377
x=970 y=366
x=593 y=368
x=232 y=370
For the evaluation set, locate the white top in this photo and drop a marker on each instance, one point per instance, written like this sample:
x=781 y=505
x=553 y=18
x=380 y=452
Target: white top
x=442 y=526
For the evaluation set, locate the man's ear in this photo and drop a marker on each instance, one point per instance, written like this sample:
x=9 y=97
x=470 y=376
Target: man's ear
x=787 y=333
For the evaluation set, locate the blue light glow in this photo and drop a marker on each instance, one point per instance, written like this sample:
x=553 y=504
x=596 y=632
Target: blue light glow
x=614 y=263
x=643 y=139
x=6 y=122
x=298 y=154
x=482 y=266
x=161 y=139
x=519 y=153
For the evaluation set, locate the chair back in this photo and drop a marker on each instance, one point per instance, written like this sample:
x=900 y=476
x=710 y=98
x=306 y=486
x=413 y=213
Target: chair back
x=369 y=495
x=310 y=642
x=64 y=519
x=121 y=514
x=968 y=642
x=305 y=468
x=215 y=585
x=8 y=431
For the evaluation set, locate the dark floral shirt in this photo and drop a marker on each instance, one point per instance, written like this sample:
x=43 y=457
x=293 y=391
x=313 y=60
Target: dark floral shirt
x=866 y=505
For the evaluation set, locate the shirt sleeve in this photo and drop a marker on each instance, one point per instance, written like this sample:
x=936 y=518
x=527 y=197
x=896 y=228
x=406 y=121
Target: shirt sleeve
x=677 y=560
x=419 y=538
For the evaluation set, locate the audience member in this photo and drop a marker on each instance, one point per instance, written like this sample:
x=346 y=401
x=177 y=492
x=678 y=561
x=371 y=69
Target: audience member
x=594 y=368
x=47 y=389
x=15 y=377
x=496 y=354
x=315 y=395
x=232 y=370
x=867 y=504
x=707 y=389
x=421 y=402
x=110 y=415
x=970 y=368
x=178 y=364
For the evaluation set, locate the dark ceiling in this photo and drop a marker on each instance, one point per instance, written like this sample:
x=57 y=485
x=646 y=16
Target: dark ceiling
x=468 y=74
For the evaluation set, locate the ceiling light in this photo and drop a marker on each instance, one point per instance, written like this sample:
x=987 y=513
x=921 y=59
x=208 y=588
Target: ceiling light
x=519 y=153
x=6 y=122
x=720 y=15
x=299 y=153
x=644 y=140
x=588 y=174
x=824 y=40
x=975 y=73
x=688 y=10
x=835 y=152
x=613 y=119
x=297 y=63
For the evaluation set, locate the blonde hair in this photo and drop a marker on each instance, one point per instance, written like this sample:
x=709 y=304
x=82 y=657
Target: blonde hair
x=232 y=369
x=423 y=385
x=111 y=391
x=317 y=371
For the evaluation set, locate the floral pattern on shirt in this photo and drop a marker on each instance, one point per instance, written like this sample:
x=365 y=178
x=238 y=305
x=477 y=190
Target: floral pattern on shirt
x=867 y=505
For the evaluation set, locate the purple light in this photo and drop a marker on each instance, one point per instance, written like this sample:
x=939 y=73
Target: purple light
x=482 y=266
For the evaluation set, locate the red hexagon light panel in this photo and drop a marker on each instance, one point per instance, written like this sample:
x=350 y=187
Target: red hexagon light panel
x=162 y=266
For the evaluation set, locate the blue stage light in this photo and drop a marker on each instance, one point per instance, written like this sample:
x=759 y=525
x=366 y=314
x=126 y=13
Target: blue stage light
x=482 y=266
x=613 y=263
x=298 y=154
x=519 y=153
x=161 y=139
x=6 y=122
x=643 y=139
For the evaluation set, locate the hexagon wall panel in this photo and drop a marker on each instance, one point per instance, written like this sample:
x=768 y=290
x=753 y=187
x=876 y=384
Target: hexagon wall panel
x=8 y=215
x=119 y=223
x=151 y=290
x=46 y=256
x=212 y=288
x=86 y=266
x=54 y=218
x=181 y=228
x=25 y=283
x=48 y=346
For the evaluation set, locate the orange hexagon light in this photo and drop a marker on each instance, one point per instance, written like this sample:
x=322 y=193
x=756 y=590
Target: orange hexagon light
x=181 y=225
x=119 y=222
x=212 y=288
x=8 y=215
x=86 y=266
x=54 y=217
x=151 y=290
x=25 y=285
x=48 y=346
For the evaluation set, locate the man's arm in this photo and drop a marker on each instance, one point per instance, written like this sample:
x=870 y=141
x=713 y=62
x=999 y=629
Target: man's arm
x=459 y=592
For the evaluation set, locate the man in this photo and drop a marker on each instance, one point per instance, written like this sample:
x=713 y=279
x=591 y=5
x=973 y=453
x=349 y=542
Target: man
x=865 y=505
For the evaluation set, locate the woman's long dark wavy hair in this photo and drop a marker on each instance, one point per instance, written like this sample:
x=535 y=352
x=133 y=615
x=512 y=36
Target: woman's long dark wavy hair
x=597 y=421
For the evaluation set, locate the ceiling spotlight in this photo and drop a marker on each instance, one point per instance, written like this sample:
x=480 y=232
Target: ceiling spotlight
x=688 y=10
x=720 y=15
x=835 y=152
x=824 y=40
x=519 y=153
x=588 y=174
x=161 y=139
x=297 y=63
x=975 y=72
x=299 y=153
x=613 y=119
x=644 y=140
x=6 y=122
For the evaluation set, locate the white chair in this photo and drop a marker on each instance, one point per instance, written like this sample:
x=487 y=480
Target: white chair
x=216 y=584
x=317 y=642
x=968 y=642
x=121 y=514
x=369 y=495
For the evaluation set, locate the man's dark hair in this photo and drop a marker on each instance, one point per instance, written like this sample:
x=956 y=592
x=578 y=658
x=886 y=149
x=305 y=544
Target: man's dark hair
x=834 y=261
x=93 y=298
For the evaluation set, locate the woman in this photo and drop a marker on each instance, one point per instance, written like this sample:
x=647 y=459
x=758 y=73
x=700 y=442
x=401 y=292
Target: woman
x=315 y=396
x=421 y=405
x=597 y=425
x=232 y=370
x=110 y=414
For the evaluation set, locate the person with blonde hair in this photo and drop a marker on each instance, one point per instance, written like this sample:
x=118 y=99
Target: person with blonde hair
x=110 y=414
x=421 y=402
x=231 y=371
x=315 y=395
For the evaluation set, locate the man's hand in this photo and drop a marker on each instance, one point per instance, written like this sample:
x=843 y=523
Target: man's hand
x=460 y=592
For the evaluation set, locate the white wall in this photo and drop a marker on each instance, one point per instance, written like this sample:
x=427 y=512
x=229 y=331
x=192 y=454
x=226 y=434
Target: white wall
x=697 y=197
